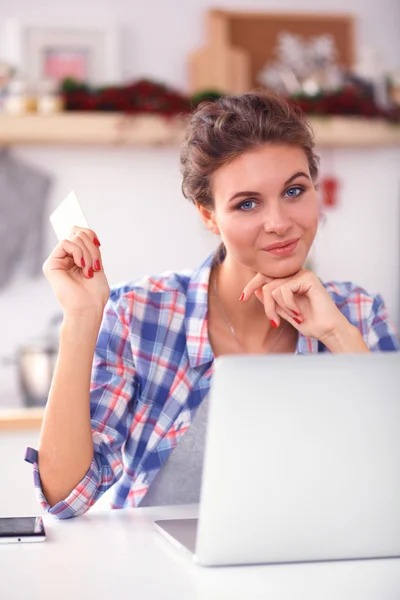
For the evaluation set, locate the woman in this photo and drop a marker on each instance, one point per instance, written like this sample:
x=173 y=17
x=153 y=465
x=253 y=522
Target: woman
x=130 y=378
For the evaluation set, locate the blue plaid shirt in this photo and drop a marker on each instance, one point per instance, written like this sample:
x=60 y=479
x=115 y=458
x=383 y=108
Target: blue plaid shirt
x=152 y=368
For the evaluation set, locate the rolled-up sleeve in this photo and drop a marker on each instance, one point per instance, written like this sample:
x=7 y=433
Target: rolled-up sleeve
x=112 y=396
x=381 y=334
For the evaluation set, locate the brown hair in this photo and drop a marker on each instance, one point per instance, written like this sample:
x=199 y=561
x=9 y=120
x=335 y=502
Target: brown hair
x=220 y=131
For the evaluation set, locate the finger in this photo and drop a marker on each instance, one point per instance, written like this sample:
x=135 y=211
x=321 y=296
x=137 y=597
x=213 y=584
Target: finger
x=89 y=232
x=284 y=297
x=64 y=256
x=78 y=253
x=254 y=284
x=270 y=306
x=91 y=248
x=292 y=320
x=300 y=286
x=259 y=295
x=87 y=260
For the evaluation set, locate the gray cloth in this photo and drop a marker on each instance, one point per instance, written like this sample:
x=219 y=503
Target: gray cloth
x=179 y=479
x=23 y=196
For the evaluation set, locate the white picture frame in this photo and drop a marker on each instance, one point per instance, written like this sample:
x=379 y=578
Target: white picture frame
x=94 y=53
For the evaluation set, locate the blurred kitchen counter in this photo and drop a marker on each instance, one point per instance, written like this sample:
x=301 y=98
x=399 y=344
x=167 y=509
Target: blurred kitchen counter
x=21 y=418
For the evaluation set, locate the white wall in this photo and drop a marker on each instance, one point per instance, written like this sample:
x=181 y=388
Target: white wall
x=157 y=35
x=132 y=196
x=360 y=239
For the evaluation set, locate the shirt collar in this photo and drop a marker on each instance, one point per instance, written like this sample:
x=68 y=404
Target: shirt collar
x=196 y=322
x=198 y=343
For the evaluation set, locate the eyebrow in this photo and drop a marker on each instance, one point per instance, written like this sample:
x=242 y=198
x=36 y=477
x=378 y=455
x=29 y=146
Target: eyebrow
x=249 y=193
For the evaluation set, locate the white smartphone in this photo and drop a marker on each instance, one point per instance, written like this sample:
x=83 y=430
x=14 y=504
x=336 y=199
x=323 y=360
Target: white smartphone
x=21 y=529
x=67 y=215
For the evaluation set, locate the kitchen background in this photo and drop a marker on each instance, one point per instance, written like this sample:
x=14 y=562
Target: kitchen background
x=131 y=194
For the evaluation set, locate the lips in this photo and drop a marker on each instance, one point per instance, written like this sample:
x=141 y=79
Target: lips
x=279 y=245
x=283 y=248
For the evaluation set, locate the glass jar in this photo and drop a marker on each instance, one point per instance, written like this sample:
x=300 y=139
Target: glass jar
x=49 y=99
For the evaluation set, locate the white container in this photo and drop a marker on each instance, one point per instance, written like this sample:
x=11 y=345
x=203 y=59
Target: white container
x=17 y=100
x=49 y=100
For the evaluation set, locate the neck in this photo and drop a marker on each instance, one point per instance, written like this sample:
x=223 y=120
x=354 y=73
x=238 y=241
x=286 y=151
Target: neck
x=247 y=318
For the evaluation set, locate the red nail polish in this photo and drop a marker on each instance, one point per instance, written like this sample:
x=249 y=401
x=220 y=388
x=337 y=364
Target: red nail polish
x=241 y=298
x=274 y=325
x=297 y=321
x=296 y=313
x=83 y=262
x=90 y=272
x=96 y=242
x=96 y=265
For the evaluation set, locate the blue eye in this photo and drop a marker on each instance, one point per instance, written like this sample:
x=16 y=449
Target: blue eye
x=247 y=205
x=294 y=191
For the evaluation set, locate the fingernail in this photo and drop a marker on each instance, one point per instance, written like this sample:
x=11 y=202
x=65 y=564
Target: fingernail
x=83 y=262
x=241 y=297
x=297 y=321
x=274 y=325
x=90 y=272
x=96 y=265
x=296 y=313
x=96 y=242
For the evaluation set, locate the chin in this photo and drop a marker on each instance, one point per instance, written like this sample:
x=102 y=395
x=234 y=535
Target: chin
x=281 y=268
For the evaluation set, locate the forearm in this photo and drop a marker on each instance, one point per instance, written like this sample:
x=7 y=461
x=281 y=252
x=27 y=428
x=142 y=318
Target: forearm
x=66 y=445
x=345 y=339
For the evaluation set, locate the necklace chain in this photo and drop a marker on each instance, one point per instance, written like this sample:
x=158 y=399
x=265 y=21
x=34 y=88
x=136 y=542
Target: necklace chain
x=229 y=323
x=232 y=329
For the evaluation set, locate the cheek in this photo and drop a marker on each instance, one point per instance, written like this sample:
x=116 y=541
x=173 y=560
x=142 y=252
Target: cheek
x=307 y=215
x=235 y=229
x=309 y=222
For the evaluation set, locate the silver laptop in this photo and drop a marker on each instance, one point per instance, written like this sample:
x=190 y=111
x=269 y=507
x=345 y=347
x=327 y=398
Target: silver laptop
x=302 y=461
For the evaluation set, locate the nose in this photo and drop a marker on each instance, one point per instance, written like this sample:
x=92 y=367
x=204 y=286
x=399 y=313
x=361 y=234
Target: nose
x=276 y=219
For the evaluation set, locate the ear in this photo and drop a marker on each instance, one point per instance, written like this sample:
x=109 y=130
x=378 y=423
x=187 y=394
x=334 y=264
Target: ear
x=208 y=218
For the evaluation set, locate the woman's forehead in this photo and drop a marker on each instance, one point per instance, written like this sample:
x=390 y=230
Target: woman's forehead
x=256 y=168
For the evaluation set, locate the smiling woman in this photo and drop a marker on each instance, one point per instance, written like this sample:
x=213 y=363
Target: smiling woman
x=131 y=378
x=264 y=142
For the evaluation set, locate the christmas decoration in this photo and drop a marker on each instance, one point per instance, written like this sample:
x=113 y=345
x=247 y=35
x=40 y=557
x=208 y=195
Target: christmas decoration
x=303 y=66
x=306 y=72
x=352 y=100
x=205 y=96
x=143 y=96
x=329 y=189
x=146 y=96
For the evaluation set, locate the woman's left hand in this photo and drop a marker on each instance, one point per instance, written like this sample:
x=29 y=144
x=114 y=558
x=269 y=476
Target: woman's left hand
x=302 y=300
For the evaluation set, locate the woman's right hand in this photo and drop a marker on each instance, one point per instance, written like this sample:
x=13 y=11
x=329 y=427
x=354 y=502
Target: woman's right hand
x=75 y=272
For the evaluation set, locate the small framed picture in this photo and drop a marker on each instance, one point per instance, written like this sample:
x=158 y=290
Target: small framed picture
x=87 y=55
x=59 y=63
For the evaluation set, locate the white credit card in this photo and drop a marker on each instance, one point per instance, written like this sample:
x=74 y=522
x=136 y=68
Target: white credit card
x=66 y=216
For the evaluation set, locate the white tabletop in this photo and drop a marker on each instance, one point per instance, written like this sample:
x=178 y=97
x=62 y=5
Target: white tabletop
x=118 y=554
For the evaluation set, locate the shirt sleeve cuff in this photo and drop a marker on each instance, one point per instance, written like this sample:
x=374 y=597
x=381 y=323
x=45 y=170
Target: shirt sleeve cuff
x=79 y=500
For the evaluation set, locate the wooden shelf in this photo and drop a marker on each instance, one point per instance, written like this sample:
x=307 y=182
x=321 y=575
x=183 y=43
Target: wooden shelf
x=105 y=129
x=82 y=128
x=354 y=132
